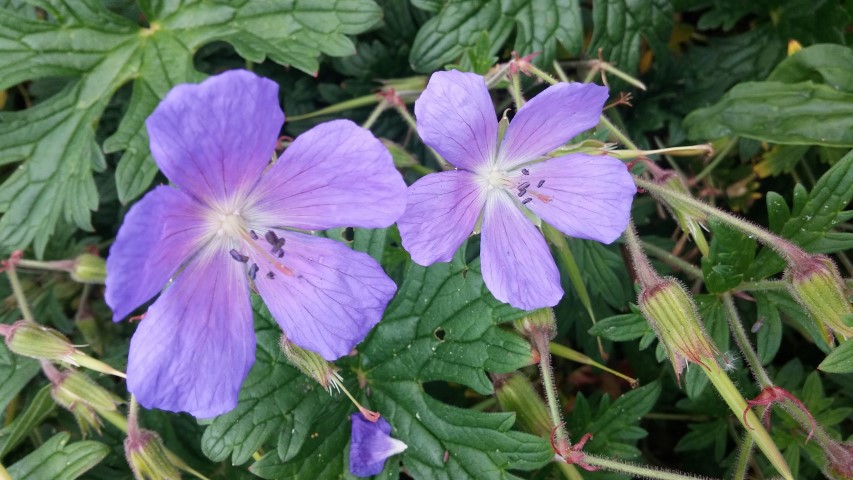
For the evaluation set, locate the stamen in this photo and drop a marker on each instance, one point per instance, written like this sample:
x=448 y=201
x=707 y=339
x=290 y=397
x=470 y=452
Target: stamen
x=253 y=271
x=526 y=201
x=253 y=234
x=238 y=256
x=280 y=253
x=271 y=237
x=522 y=193
x=525 y=171
x=541 y=182
x=524 y=186
x=271 y=275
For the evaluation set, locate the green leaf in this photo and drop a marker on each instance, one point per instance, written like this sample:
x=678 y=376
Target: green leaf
x=441 y=326
x=100 y=51
x=11 y=435
x=621 y=328
x=840 y=360
x=539 y=25
x=730 y=256
x=769 y=335
x=15 y=373
x=619 y=26
x=780 y=159
x=702 y=435
x=826 y=63
x=813 y=216
x=614 y=426
x=603 y=270
x=58 y=460
x=802 y=113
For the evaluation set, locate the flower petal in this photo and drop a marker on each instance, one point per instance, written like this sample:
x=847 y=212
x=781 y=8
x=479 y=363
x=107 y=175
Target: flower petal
x=215 y=138
x=325 y=296
x=583 y=196
x=456 y=117
x=371 y=445
x=159 y=233
x=441 y=211
x=551 y=119
x=517 y=266
x=196 y=344
x=335 y=175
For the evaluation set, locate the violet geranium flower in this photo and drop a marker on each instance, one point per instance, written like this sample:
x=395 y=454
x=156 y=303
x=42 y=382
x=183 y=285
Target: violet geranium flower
x=233 y=218
x=507 y=185
x=371 y=445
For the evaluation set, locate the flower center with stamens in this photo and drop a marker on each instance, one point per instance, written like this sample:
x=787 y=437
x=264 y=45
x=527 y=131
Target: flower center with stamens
x=230 y=224
x=494 y=179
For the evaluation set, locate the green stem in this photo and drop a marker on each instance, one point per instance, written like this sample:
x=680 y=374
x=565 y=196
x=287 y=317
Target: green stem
x=51 y=266
x=115 y=418
x=716 y=161
x=546 y=372
x=493 y=78
x=789 y=251
x=609 y=68
x=750 y=421
x=636 y=470
x=563 y=351
x=673 y=260
x=410 y=120
x=683 y=417
x=19 y=292
x=742 y=340
x=743 y=456
x=560 y=73
x=516 y=90
x=762 y=285
x=616 y=133
x=642 y=268
x=569 y=471
x=338 y=107
x=485 y=404
x=544 y=75
x=374 y=115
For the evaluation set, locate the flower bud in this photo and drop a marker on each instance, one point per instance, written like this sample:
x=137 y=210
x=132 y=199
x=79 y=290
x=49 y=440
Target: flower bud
x=310 y=363
x=515 y=393
x=148 y=457
x=31 y=340
x=77 y=393
x=672 y=314
x=89 y=268
x=839 y=460
x=817 y=286
x=691 y=220
x=538 y=322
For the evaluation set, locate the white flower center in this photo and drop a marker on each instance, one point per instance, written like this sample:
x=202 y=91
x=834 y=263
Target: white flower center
x=229 y=224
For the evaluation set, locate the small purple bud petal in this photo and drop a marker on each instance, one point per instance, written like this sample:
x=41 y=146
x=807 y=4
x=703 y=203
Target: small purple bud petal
x=371 y=445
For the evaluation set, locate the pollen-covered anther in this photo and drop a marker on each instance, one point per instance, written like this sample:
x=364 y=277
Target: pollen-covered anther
x=238 y=256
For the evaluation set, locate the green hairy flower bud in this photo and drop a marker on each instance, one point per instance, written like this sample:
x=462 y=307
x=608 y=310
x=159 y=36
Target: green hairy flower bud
x=31 y=340
x=817 y=285
x=311 y=364
x=77 y=393
x=148 y=458
x=672 y=314
x=89 y=268
x=515 y=393
x=691 y=220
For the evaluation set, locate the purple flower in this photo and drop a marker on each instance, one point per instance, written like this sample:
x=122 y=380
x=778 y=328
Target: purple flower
x=371 y=445
x=232 y=215
x=510 y=186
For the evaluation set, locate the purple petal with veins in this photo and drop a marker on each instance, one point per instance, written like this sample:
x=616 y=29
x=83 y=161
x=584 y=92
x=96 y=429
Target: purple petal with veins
x=371 y=445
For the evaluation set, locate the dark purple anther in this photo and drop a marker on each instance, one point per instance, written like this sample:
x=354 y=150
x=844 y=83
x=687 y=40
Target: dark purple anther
x=271 y=237
x=271 y=275
x=253 y=271
x=541 y=182
x=253 y=234
x=526 y=201
x=525 y=171
x=280 y=253
x=524 y=186
x=522 y=193
x=238 y=256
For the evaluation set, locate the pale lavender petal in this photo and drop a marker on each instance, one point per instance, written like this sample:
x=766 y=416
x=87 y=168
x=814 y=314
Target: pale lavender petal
x=583 y=196
x=215 y=138
x=196 y=344
x=335 y=175
x=159 y=233
x=517 y=266
x=456 y=117
x=325 y=296
x=371 y=445
x=551 y=119
x=441 y=211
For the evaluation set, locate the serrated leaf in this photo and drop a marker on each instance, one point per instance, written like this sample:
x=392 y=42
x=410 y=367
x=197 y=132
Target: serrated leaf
x=603 y=270
x=621 y=328
x=58 y=460
x=101 y=51
x=813 y=215
x=619 y=26
x=802 y=113
x=730 y=256
x=840 y=360
x=539 y=26
x=15 y=373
